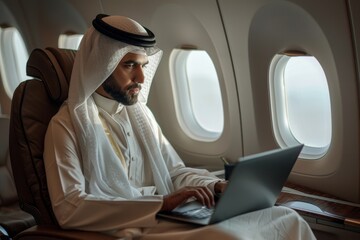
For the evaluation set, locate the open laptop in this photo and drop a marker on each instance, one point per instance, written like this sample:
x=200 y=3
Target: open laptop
x=255 y=183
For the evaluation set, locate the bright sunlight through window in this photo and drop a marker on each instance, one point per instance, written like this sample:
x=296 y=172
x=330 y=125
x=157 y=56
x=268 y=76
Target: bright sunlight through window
x=300 y=103
x=70 y=41
x=13 y=58
x=197 y=94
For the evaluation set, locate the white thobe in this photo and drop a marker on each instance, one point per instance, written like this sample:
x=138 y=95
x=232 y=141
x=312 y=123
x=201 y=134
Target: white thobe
x=76 y=208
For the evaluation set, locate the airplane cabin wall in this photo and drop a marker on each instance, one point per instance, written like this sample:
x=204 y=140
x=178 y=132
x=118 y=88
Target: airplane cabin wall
x=8 y=11
x=40 y=22
x=354 y=12
x=257 y=30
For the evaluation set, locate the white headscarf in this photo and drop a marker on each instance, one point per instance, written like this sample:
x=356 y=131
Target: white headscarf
x=96 y=59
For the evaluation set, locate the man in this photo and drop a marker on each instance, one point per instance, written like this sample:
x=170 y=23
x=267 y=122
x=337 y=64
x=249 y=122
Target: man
x=109 y=167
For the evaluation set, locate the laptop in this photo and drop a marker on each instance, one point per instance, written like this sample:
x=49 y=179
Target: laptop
x=255 y=183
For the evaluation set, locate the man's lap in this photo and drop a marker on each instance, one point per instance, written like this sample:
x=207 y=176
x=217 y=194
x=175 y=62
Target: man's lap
x=271 y=223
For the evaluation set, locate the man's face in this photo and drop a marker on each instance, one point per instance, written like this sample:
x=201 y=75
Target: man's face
x=124 y=84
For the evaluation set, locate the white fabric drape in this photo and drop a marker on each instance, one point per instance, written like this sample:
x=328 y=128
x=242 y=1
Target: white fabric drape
x=96 y=59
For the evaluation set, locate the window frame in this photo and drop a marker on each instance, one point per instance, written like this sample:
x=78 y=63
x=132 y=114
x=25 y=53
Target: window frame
x=9 y=64
x=182 y=99
x=281 y=128
x=69 y=40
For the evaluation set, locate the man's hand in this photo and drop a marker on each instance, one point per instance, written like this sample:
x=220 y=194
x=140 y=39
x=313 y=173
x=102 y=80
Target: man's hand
x=220 y=186
x=201 y=194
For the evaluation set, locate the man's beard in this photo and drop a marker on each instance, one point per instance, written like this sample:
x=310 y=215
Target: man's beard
x=121 y=96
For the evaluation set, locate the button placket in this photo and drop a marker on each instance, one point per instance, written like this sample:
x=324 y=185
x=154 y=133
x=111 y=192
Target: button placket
x=130 y=142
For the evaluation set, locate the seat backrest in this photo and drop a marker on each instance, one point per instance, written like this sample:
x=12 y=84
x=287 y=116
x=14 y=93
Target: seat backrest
x=7 y=186
x=34 y=103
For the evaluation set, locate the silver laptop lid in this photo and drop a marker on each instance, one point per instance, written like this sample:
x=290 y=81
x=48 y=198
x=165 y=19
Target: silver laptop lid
x=256 y=182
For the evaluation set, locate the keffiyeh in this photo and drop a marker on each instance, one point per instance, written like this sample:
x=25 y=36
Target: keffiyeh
x=96 y=59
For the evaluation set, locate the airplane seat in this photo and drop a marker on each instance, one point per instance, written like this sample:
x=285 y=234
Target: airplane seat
x=12 y=219
x=34 y=103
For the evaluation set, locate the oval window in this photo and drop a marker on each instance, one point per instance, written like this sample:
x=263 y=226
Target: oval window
x=197 y=94
x=70 y=41
x=13 y=59
x=300 y=104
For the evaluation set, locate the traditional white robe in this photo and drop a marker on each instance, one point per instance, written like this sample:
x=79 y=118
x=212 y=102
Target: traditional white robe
x=76 y=208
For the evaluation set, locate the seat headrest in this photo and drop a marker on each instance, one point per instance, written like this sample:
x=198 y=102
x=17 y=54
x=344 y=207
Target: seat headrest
x=53 y=66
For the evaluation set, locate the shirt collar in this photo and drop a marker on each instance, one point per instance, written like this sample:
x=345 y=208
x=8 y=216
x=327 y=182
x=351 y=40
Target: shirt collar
x=109 y=105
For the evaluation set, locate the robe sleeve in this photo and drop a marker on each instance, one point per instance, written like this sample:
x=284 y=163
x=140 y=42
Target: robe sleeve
x=185 y=176
x=72 y=205
x=181 y=175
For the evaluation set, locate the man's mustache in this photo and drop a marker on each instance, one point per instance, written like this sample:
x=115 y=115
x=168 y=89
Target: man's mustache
x=135 y=85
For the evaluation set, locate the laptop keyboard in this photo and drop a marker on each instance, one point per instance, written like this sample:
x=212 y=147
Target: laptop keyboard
x=202 y=212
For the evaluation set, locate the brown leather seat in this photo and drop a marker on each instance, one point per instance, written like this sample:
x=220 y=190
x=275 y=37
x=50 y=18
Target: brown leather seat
x=12 y=219
x=34 y=103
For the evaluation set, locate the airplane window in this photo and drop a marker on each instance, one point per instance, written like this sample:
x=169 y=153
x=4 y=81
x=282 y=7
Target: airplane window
x=13 y=58
x=197 y=94
x=70 y=41
x=300 y=104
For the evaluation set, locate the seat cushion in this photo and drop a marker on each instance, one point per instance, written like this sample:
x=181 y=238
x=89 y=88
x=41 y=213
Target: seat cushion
x=7 y=186
x=31 y=113
x=12 y=219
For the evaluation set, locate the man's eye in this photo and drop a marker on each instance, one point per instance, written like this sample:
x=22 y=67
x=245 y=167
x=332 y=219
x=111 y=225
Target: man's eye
x=129 y=65
x=132 y=65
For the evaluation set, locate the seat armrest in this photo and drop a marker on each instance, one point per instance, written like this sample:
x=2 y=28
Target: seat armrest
x=55 y=233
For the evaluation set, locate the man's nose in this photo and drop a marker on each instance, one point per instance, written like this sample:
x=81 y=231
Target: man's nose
x=140 y=75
